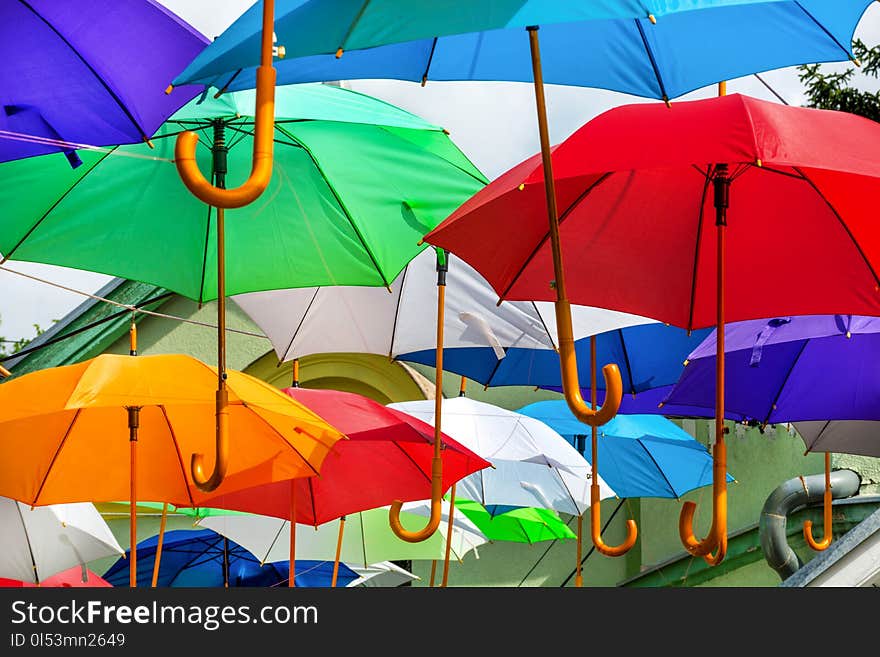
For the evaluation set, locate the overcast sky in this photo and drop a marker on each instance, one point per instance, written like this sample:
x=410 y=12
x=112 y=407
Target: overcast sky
x=493 y=123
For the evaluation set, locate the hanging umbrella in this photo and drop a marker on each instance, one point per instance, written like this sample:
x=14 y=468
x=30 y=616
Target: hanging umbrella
x=37 y=543
x=203 y=558
x=387 y=457
x=75 y=74
x=384 y=574
x=704 y=38
x=490 y=343
x=533 y=466
x=779 y=175
x=642 y=455
x=78 y=420
x=76 y=577
x=844 y=436
x=791 y=368
x=368 y=539
x=517 y=525
x=658 y=50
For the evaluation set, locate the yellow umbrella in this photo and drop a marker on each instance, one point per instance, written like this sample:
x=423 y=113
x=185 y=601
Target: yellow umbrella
x=63 y=432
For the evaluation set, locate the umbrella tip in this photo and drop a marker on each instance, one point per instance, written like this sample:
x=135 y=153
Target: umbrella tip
x=169 y=89
x=148 y=142
x=339 y=52
x=420 y=242
x=759 y=163
x=652 y=18
x=666 y=100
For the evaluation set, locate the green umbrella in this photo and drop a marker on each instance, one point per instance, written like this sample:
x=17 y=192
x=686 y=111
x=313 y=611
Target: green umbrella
x=525 y=525
x=356 y=184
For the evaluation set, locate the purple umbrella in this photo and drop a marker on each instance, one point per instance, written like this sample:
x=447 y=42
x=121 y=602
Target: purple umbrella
x=90 y=72
x=815 y=367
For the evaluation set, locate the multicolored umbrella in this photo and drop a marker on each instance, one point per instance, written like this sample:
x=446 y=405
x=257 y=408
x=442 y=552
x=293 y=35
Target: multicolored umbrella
x=75 y=73
x=38 y=543
x=85 y=422
x=777 y=176
x=199 y=558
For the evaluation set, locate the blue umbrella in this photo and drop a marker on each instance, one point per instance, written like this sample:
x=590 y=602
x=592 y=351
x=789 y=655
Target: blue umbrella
x=199 y=558
x=88 y=72
x=650 y=49
x=642 y=455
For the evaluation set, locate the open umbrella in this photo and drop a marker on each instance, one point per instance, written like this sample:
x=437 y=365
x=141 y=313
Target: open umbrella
x=76 y=577
x=844 y=436
x=85 y=422
x=387 y=457
x=692 y=46
x=204 y=558
x=37 y=543
x=382 y=574
x=74 y=73
x=785 y=369
x=525 y=525
x=368 y=538
x=777 y=175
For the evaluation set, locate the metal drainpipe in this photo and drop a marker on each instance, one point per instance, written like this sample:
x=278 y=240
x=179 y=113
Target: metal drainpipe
x=791 y=496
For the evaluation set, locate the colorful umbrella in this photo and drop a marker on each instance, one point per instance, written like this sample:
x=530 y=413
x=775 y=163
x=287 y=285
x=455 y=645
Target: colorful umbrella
x=37 y=543
x=76 y=577
x=383 y=574
x=368 y=539
x=517 y=525
x=653 y=49
x=778 y=175
x=642 y=455
x=83 y=422
x=482 y=339
x=75 y=74
x=204 y=558
x=844 y=436
x=387 y=457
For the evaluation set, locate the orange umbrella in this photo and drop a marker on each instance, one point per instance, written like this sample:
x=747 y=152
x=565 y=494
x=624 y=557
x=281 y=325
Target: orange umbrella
x=67 y=433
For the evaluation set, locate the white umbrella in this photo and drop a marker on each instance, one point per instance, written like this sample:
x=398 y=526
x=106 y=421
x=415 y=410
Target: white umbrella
x=384 y=574
x=843 y=436
x=367 y=539
x=36 y=543
x=306 y=321
x=533 y=465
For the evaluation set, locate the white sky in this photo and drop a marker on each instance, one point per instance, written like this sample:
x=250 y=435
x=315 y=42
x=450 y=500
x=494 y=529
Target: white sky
x=492 y=122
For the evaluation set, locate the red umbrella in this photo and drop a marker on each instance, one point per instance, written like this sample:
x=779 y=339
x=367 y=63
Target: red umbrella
x=70 y=578
x=388 y=456
x=644 y=195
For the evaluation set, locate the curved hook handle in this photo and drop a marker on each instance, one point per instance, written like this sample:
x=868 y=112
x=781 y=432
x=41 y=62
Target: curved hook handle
x=825 y=541
x=436 y=510
x=718 y=557
x=264 y=119
x=570 y=383
x=717 y=536
x=205 y=483
x=632 y=531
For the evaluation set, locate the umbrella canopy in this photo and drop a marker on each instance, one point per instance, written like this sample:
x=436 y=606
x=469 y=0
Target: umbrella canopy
x=653 y=49
x=331 y=215
x=533 y=466
x=799 y=179
x=76 y=577
x=790 y=368
x=482 y=340
x=367 y=538
x=384 y=574
x=76 y=72
x=387 y=457
x=641 y=455
x=204 y=558
x=844 y=436
x=64 y=433
x=517 y=525
x=37 y=543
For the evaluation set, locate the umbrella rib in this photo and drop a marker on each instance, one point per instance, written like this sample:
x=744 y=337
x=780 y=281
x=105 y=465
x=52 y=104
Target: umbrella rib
x=312 y=495
x=28 y=539
x=284 y=440
x=55 y=456
x=544 y=324
x=794 y=363
x=205 y=252
x=397 y=311
x=275 y=540
x=177 y=452
x=562 y=217
x=479 y=178
x=495 y=369
x=629 y=374
x=842 y=224
x=300 y=325
x=823 y=28
x=652 y=60
x=39 y=221
x=85 y=63
x=659 y=469
x=418 y=467
x=344 y=209
x=430 y=61
x=690 y=322
x=818 y=435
